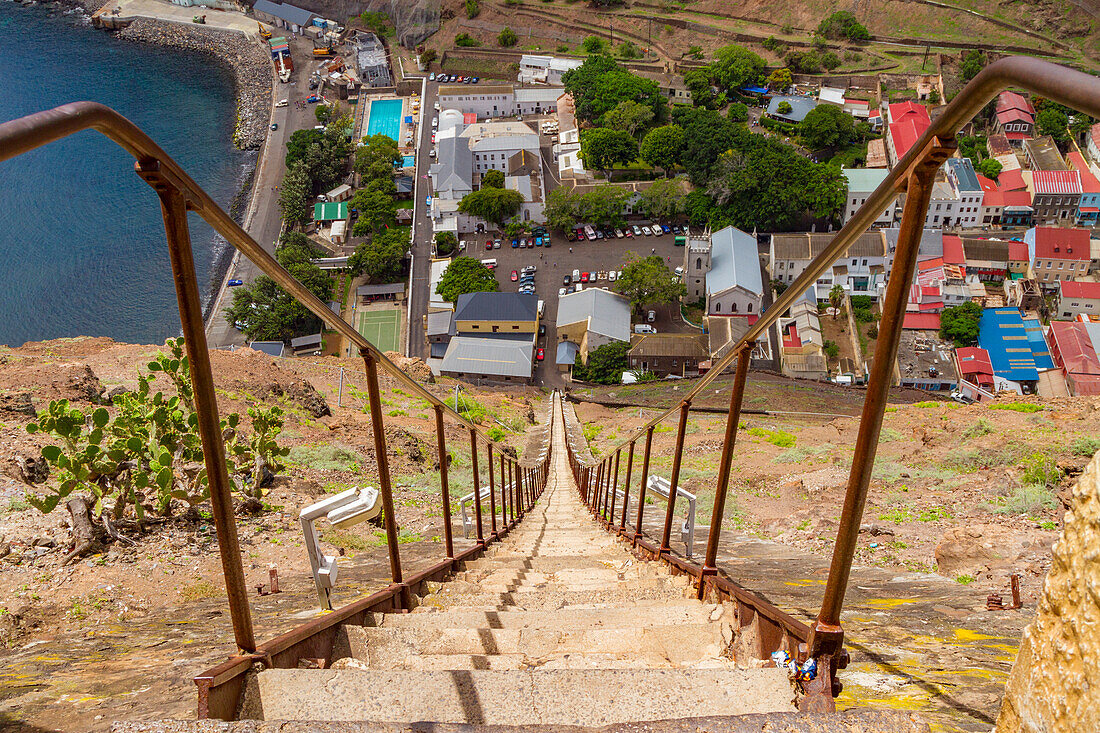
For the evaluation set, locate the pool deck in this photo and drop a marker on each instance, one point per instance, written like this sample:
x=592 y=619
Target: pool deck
x=405 y=130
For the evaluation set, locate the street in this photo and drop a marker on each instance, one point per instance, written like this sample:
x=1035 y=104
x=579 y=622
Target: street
x=422 y=242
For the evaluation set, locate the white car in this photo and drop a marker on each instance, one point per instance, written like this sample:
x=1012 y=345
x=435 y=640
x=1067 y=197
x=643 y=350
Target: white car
x=561 y=292
x=281 y=103
x=637 y=230
x=646 y=231
x=611 y=276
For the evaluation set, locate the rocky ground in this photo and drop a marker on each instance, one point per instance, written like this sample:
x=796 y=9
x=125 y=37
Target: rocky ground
x=973 y=493
x=249 y=63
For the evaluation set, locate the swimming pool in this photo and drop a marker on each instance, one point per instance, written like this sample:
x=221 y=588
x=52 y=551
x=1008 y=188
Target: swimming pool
x=385 y=118
x=408 y=162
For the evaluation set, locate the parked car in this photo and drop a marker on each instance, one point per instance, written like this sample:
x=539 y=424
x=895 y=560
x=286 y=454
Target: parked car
x=647 y=231
x=562 y=291
x=530 y=269
x=644 y=328
x=515 y=276
x=496 y=244
x=611 y=276
x=571 y=236
x=235 y=283
x=313 y=99
x=431 y=76
x=274 y=125
x=651 y=316
x=666 y=229
x=576 y=275
x=542 y=329
x=584 y=277
x=618 y=234
x=567 y=280
x=539 y=355
x=477 y=79
x=515 y=243
x=637 y=230
x=679 y=271
x=628 y=232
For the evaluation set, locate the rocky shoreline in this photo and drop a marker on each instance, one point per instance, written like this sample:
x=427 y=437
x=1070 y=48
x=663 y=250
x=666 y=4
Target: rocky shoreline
x=252 y=76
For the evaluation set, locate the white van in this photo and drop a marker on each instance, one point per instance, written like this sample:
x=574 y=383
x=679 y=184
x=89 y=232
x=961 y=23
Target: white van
x=644 y=328
x=281 y=103
x=490 y=263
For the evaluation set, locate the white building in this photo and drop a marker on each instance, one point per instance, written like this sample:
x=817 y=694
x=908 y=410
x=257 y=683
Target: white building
x=733 y=282
x=494 y=143
x=1078 y=299
x=968 y=191
x=861 y=184
x=943 y=208
x=860 y=271
x=491 y=101
x=544 y=69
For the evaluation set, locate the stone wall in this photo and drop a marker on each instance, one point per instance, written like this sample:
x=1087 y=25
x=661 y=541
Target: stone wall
x=1055 y=682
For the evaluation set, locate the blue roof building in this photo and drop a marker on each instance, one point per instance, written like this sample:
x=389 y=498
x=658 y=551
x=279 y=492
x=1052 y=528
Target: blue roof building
x=1017 y=349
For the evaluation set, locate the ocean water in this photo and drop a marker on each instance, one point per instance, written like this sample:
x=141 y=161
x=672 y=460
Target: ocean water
x=82 y=248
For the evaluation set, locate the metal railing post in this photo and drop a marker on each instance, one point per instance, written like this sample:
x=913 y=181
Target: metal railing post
x=492 y=491
x=674 y=481
x=441 y=443
x=614 y=488
x=645 y=478
x=504 y=503
x=477 y=485
x=626 y=488
x=722 y=487
x=828 y=636
x=384 y=488
x=519 y=489
x=174 y=211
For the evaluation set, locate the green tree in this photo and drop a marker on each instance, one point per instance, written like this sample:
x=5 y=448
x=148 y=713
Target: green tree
x=603 y=147
x=560 y=211
x=843 y=25
x=376 y=157
x=664 y=199
x=599 y=84
x=605 y=364
x=507 y=38
x=803 y=62
x=831 y=349
x=628 y=115
x=662 y=147
x=707 y=135
x=827 y=126
x=493 y=178
x=698 y=84
x=648 y=281
x=466 y=275
x=784 y=108
x=593 y=44
x=972 y=63
x=377 y=211
x=491 y=204
x=990 y=168
x=734 y=67
x=465 y=39
x=738 y=112
x=299 y=142
x=780 y=80
x=628 y=50
x=602 y=205
x=473 y=8
x=428 y=56
x=1053 y=122
x=445 y=243
x=382 y=258
x=836 y=299
x=322 y=112
x=831 y=61
x=294 y=195
x=377 y=22
x=959 y=324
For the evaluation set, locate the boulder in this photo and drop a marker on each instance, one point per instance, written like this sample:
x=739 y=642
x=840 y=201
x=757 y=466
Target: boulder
x=977 y=548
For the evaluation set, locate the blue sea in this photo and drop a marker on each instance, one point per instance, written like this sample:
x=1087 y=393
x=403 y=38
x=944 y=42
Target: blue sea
x=82 y=249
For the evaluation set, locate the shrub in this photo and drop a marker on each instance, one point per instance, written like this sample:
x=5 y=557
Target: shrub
x=978 y=429
x=593 y=44
x=473 y=8
x=772 y=43
x=775 y=437
x=507 y=37
x=1084 y=446
x=830 y=60
x=1041 y=470
x=831 y=349
x=465 y=39
x=1027 y=407
x=326 y=457
x=496 y=433
x=1028 y=499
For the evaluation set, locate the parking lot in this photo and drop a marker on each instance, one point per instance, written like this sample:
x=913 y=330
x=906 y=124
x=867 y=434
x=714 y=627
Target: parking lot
x=561 y=258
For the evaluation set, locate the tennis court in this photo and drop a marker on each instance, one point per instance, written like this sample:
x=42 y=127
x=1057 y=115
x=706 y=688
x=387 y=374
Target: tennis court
x=382 y=328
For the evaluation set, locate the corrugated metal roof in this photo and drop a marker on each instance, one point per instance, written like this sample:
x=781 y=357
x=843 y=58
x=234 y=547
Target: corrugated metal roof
x=271 y=348
x=669 y=344
x=864 y=179
x=1075 y=347
x=1076 y=289
x=491 y=356
x=496 y=307
x=607 y=313
x=290 y=13
x=800 y=107
x=965 y=176
x=734 y=262
x=1003 y=334
x=1055 y=182
x=805 y=246
x=567 y=353
x=330 y=211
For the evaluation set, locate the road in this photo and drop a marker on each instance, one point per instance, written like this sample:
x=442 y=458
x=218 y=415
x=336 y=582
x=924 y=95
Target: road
x=263 y=221
x=421 y=246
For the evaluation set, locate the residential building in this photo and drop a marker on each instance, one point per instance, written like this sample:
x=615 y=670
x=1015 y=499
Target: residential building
x=906 y=122
x=668 y=353
x=801 y=353
x=975 y=371
x=968 y=191
x=1018 y=211
x=371 y=61
x=861 y=184
x=1042 y=154
x=859 y=108
x=733 y=282
x=1092 y=147
x=283 y=15
x=943 y=207
x=1014 y=117
x=1077 y=298
x=1016 y=347
x=1019 y=259
x=1057 y=254
x=494 y=143
x=1056 y=194
x=671 y=86
x=1073 y=348
x=493 y=337
x=800 y=107
x=544 y=69
x=860 y=270
x=986 y=258
x=932 y=245
x=592 y=318
x=1088 y=208
x=490 y=101
x=993 y=202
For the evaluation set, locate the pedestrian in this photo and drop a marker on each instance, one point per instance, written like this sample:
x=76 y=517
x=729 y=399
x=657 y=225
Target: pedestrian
x=570 y=250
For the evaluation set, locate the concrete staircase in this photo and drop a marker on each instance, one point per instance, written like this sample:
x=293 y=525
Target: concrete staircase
x=558 y=625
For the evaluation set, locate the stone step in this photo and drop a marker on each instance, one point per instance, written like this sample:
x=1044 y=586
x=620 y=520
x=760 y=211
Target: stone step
x=383 y=646
x=508 y=662
x=550 y=599
x=535 y=697
x=687 y=612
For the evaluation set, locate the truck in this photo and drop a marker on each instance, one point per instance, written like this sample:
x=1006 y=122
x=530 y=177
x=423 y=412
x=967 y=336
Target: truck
x=283 y=68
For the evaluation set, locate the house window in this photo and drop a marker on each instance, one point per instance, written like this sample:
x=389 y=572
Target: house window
x=750 y=307
x=780 y=264
x=717 y=307
x=699 y=264
x=733 y=308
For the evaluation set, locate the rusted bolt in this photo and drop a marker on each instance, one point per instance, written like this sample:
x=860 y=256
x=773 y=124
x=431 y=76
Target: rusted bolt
x=994 y=602
x=260 y=589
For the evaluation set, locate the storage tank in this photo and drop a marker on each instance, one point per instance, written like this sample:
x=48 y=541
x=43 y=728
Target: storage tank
x=449 y=118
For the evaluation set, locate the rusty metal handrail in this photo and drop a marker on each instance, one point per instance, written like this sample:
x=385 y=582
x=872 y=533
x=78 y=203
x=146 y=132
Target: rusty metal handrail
x=914 y=175
x=179 y=194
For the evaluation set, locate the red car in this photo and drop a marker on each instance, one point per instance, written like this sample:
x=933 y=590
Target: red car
x=489 y=244
x=515 y=276
x=584 y=277
x=540 y=354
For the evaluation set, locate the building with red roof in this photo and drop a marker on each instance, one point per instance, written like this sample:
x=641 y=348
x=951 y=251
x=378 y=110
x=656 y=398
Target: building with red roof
x=1093 y=145
x=953 y=253
x=1012 y=180
x=1073 y=349
x=974 y=365
x=908 y=121
x=1055 y=196
x=1088 y=209
x=993 y=201
x=1017 y=210
x=1057 y=253
x=1015 y=117
x=1019 y=259
x=1076 y=298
